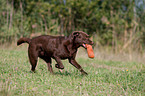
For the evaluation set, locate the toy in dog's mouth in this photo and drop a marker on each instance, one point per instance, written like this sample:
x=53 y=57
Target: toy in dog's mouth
x=89 y=50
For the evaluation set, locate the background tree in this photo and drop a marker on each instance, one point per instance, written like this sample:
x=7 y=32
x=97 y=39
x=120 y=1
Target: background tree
x=117 y=24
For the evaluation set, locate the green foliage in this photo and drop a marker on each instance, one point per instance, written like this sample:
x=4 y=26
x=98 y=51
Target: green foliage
x=114 y=22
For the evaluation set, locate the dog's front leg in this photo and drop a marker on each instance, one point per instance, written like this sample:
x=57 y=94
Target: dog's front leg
x=74 y=63
x=59 y=64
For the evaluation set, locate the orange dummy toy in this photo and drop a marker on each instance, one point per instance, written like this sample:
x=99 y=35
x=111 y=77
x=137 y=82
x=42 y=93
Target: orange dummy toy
x=90 y=51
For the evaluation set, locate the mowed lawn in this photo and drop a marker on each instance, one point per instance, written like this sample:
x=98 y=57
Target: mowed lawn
x=112 y=78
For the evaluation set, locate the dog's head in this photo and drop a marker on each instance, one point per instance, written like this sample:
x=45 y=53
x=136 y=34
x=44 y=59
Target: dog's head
x=81 y=38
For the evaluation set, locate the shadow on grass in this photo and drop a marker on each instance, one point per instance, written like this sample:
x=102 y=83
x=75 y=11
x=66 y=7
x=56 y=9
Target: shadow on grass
x=55 y=73
x=63 y=73
x=66 y=73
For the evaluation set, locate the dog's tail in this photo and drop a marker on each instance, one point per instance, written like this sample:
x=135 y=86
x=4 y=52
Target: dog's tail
x=23 y=40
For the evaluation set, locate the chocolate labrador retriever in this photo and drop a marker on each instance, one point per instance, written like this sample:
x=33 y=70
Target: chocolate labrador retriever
x=56 y=47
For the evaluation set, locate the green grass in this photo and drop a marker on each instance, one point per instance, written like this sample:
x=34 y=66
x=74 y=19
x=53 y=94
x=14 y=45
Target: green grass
x=113 y=78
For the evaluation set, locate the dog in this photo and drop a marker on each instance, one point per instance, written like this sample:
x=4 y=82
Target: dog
x=47 y=47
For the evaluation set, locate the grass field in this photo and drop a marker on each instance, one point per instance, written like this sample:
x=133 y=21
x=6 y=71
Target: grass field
x=105 y=77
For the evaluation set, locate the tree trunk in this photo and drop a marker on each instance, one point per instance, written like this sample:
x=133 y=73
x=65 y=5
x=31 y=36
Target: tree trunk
x=21 y=16
x=7 y=14
x=11 y=15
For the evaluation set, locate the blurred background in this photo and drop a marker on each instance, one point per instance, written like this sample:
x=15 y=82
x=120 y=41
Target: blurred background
x=116 y=25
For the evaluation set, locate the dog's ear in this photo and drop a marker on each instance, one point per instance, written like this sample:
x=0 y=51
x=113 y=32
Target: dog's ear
x=75 y=34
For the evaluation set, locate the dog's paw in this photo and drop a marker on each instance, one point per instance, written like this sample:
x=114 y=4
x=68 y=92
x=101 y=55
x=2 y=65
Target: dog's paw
x=59 y=67
x=32 y=71
x=84 y=73
x=56 y=65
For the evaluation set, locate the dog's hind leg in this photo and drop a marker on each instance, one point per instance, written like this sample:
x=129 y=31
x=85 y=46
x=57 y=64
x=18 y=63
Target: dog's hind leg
x=48 y=61
x=33 y=57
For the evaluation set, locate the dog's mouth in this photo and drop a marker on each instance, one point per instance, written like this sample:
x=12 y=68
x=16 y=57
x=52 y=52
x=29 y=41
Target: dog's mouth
x=84 y=45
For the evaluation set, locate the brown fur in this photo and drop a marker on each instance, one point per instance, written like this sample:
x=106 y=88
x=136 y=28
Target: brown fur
x=56 y=47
